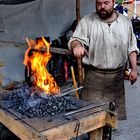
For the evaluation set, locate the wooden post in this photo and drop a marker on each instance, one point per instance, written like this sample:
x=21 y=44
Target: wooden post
x=77 y=10
x=79 y=61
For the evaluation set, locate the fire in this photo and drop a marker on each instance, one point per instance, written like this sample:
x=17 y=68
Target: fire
x=37 y=57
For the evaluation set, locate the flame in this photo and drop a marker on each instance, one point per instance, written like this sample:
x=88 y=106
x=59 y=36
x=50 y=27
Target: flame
x=38 y=56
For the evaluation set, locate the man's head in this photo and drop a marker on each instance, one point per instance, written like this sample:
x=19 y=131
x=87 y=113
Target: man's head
x=105 y=8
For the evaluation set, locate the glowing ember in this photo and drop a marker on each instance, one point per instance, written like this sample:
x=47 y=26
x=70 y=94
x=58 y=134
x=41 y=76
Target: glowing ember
x=37 y=57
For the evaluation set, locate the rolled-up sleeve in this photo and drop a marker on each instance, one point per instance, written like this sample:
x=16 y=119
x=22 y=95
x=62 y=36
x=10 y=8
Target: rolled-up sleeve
x=80 y=34
x=133 y=42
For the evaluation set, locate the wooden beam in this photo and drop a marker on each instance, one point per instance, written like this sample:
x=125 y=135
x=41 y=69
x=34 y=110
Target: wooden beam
x=61 y=51
x=24 y=45
x=67 y=131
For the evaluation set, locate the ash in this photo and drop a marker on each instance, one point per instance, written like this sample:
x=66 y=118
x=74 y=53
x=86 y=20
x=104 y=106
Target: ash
x=28 y=102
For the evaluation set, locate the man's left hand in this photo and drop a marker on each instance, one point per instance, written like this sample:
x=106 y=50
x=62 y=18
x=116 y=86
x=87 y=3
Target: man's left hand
x=133 y=76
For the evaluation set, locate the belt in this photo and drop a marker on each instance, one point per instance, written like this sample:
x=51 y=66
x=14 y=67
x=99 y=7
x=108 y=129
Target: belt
x=90 y=67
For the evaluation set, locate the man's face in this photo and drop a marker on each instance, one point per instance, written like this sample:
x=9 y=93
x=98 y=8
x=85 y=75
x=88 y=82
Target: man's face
x=104 y=8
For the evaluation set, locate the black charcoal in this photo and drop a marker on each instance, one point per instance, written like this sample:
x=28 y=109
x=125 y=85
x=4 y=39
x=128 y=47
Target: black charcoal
x=32 y=102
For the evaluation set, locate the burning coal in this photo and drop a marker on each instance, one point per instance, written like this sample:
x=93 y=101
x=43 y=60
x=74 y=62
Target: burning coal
x=29 y=102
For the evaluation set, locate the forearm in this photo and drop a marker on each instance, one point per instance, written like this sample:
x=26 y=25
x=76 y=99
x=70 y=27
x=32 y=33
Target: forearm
x=133 y=60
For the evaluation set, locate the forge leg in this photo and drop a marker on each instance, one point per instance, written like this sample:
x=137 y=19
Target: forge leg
x=6 y=134
x=96 y=134
x=107 y=133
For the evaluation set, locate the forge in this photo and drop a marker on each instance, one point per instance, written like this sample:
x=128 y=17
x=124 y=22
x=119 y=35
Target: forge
x=70 y=120
x=40 y=95
x=39 y=108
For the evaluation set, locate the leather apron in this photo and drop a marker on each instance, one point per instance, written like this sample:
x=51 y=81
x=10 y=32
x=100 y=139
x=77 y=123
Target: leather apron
x=105 y=86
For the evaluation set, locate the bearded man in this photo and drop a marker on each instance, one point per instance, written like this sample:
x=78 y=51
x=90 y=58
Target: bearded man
x=105 y=41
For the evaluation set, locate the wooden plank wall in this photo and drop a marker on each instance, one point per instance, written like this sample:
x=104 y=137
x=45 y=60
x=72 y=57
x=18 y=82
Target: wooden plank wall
x=130 y=7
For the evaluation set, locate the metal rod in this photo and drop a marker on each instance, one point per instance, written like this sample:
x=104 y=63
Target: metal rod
x=68 y=92
x=65 y=90
x=84 y=108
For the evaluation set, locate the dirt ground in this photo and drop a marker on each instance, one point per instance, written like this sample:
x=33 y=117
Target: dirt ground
x=130 y=128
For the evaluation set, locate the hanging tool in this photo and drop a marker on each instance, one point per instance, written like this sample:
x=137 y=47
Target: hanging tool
x=74 y=81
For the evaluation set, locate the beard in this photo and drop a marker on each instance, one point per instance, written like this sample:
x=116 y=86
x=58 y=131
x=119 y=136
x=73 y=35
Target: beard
x=104 y=14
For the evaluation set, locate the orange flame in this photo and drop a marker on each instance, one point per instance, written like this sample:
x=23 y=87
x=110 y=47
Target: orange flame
x=38 y=56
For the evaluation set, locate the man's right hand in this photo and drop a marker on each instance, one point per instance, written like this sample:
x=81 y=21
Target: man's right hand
x=79 y=51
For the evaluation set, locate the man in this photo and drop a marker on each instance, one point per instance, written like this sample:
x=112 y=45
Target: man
x=105 y=40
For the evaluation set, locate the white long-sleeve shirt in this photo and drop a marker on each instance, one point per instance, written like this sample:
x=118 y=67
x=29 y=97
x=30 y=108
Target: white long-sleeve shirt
x=108 y=46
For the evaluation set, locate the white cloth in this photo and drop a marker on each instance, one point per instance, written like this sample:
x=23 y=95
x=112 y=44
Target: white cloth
x=108 y=46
